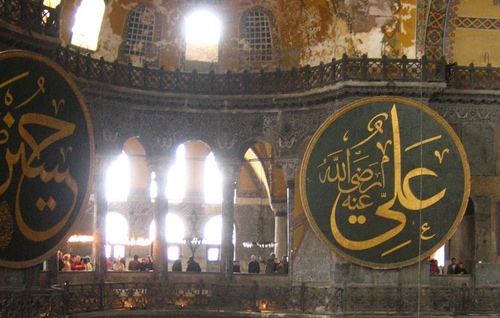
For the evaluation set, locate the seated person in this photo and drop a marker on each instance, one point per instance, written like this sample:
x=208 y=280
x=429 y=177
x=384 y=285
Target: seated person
x=118 y=265
x=253 y=265
x=67 y=263
x=87 y=263
x=143 y=267
x=149 y=263
x=177 y=266
x=236 y=267
x=282 y=268
x=461 y=269
x=193 y=266
x=134 y=265
x=78 y=264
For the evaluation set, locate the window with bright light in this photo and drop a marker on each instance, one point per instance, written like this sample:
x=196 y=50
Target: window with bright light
x=173 y=252
x=152 y=231
x=213 y=230
x=119 y=251
x=176 y=179
x=141 y=34
x=256 y=38
x=439 y=255
x=107 y=251
x=118 y=180
x=212 y=181
x=51 y=3
x=213 y=254
x=174 y=228
x=116 y=228
x=88 y=20
x=153 y=188
x=203 y=31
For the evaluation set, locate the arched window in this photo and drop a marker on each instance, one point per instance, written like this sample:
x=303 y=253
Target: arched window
x=88 y=20
x=176 y=179
x=174 y=228
x=116 y=234
x=213 y=237
x=212 y=181
x=258 y=39
x=142 y=31
x=118 y=180
x=174 y=234
x=213 y=230
x=202 y=37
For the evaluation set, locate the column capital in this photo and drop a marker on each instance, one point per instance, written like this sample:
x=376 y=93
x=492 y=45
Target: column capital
x=288 y=167
x=279 y=208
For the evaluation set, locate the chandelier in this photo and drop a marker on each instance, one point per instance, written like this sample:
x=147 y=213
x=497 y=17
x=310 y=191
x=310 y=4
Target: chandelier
x=193 y=240
x=260 y=245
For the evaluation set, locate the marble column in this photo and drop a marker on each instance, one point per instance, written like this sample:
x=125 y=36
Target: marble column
x=482 y=215
x=102 y=163
x=230 y=173
x=280 y=237
x=160 y=261
x=280 y=229
x=288 y=168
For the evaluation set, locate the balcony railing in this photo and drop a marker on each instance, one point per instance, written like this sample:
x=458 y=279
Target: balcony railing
x=279 y=82
x=32 y=16
x=330 y=300
x=250 y=83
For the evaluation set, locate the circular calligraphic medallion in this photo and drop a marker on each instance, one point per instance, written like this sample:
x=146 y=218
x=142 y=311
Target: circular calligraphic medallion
x=46 y=157
x=385 y=182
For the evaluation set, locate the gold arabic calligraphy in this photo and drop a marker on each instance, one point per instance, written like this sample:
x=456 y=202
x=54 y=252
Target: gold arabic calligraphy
x=353 y=183
x=16 y=155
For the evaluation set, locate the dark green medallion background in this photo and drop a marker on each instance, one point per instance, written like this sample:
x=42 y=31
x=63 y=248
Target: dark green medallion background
x=427 y=144
x=46 y=158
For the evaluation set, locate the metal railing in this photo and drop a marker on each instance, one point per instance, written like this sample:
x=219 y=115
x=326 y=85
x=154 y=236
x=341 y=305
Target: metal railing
x=33 y=303
x=301 y=299
x=250 y=83
x=31 y=16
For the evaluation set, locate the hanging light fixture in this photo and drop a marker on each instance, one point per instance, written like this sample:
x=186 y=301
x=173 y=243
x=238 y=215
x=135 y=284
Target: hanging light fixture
x=193 y=240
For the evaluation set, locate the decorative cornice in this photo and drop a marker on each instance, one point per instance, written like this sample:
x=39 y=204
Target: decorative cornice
x=113 y=96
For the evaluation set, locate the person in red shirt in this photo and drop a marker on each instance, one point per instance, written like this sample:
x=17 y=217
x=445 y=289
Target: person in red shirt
x=78 y=264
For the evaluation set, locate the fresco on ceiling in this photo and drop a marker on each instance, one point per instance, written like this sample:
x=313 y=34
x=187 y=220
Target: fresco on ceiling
x=309 y=31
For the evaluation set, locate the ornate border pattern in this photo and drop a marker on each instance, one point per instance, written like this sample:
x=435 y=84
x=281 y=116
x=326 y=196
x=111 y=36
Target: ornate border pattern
x=476 y=23
x=434 y=36
x=449 y=32
x=422 y=10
